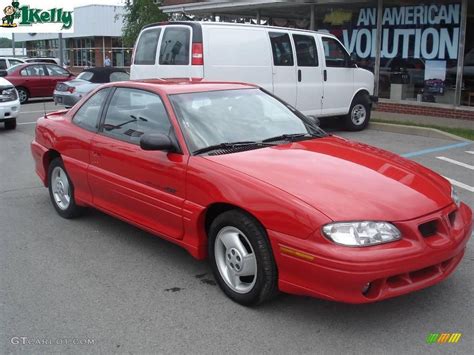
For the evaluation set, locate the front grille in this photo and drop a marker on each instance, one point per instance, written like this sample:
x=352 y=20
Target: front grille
x=428 y=229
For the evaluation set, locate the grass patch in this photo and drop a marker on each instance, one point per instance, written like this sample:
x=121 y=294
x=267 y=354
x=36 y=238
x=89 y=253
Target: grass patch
x=461 y=132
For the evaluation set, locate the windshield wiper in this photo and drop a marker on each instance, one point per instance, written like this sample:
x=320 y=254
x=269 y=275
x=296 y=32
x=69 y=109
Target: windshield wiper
x=290 y=137
x=231 y=146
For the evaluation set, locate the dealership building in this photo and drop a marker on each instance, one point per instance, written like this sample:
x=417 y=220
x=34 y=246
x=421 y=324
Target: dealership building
x=421 y=52
x=97 y=34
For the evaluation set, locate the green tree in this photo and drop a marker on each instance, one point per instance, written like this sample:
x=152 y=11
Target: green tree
x=5 y=42
x=139 y=13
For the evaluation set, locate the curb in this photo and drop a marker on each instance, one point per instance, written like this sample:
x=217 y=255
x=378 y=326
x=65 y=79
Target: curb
x=415 y=131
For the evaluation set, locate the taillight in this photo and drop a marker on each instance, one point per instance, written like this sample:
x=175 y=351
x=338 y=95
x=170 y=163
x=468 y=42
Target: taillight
x=71 y=89
x=198 y=55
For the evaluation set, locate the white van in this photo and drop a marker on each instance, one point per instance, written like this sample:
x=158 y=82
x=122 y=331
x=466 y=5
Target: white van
x=311 y=71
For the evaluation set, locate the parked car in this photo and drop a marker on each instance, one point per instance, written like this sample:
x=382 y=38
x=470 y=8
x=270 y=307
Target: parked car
x=68 y=93
x=43 y=60
x=312 y=71
x=36 y=80
x=230 y=172
x=9 y=104
x=7 y=62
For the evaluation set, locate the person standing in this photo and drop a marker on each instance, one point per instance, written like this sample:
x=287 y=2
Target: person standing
x=107 y=61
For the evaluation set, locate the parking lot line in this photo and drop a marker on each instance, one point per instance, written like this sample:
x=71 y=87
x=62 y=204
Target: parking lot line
x=459 y=163
x=25 y=123
x=460 y=184
x=42 y=111
x=469 y=152
x=437 y=149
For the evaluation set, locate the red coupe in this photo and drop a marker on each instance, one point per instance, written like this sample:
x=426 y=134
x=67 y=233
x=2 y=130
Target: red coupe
x=36 y=79
x=232 y=173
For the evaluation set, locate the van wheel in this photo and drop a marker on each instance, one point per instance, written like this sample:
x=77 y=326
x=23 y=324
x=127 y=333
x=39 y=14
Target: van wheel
x=241 y=258
x=61 y=190
x=359 y=115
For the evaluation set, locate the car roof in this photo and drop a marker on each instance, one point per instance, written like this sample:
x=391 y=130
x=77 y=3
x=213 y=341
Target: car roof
x=182 y=85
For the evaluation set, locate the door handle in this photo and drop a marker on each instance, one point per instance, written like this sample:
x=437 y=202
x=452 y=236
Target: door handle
x=325 y=74
x=299 y=75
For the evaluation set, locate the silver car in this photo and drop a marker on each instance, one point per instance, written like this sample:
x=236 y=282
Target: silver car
x=68 y=93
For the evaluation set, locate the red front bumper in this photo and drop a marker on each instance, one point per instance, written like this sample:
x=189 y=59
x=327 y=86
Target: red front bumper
x=319 y=268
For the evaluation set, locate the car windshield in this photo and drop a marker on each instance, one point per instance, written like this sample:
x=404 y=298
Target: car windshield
x=229 y=116
x=85 y=75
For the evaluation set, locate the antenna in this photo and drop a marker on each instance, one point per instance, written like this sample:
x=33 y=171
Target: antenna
x=45 y=113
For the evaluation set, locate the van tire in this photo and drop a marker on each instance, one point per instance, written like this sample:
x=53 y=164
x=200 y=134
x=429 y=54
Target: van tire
x=359 y=114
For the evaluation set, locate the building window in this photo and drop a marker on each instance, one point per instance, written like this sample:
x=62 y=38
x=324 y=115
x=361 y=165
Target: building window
x=467 y=92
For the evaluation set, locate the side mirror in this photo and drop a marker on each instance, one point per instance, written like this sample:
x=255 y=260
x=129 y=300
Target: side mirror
x=353 y=59
x=157 y=141
x=3 y=73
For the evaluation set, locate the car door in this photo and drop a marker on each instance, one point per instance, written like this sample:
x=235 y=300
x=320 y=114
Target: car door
x=76 y=148
x=56 y=74
x=145 y=187
x=174 y=59
x=283 y=67
x=309 y=88
x=35 y=80
x=338 y=76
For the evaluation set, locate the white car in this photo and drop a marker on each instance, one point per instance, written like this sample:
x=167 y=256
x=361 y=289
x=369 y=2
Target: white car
x=9 y=104
x=309 y=70
x=7 y=62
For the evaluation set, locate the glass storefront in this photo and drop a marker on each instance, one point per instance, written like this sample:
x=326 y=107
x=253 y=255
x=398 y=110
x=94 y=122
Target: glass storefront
x=419 y=47
x=467 y=96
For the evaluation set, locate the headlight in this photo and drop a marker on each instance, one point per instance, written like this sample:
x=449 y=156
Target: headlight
x=455 y=197
x=361 y=234
x=8 y=94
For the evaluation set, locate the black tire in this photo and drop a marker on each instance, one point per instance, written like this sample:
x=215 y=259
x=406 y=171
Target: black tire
x=10 y=124
x=23 y=95
x=72 y=210
x=266 y=283
x=359 y=114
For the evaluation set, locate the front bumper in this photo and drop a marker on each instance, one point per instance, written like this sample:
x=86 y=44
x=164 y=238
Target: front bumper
x=9 y=110
x=325 y=270
x=67 y=100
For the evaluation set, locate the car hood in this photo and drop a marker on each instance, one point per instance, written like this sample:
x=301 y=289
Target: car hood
x=345 y=180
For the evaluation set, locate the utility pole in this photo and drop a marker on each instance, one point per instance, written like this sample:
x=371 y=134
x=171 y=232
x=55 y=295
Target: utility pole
x=13 y=45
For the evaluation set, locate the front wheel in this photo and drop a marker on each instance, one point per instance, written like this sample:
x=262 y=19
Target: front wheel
x=10 y=124
x=61 y=190
x=23 y=95
x=241 y=258
x=359 y=114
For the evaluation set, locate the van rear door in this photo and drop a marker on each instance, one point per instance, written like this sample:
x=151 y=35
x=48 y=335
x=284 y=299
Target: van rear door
x=144 y=56
x=309 y=92
x=283 y=67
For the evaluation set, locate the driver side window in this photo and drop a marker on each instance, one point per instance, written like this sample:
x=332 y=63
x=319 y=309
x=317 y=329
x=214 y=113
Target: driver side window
x=336 y=55
x=134 y=112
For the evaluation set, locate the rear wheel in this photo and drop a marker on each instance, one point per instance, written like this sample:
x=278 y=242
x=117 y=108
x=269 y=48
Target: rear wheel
x=23 y=95
x=10 y=124
x=241 y=258
x=61 y=190
x=359 y=114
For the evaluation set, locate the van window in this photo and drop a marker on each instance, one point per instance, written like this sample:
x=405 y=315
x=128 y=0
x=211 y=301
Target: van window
x=336 y=55
x=146 y=48
x=281 y=48
x=175 y=46
x=3 y=64
x=306 y=52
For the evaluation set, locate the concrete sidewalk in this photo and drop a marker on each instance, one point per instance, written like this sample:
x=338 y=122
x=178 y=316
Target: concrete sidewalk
x=426 y=120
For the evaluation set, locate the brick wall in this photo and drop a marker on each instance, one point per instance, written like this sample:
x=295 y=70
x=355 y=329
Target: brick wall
x=457 y=113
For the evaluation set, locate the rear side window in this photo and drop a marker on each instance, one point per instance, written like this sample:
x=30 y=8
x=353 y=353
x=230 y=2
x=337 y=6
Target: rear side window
x=146 y=47
x=3 y=64
x=119 y=76
x=306 y=52
x=175 y=46
x=281 y=48
x=87 y=116
x=132 y=113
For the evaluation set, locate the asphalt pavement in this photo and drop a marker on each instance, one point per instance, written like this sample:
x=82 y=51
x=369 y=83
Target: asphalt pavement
x=99 y=285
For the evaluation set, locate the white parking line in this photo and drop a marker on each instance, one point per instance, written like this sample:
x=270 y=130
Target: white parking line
x=452 y=161
x=469 y=152
x=460 y=184
x=24 y=123
x=42 y=111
